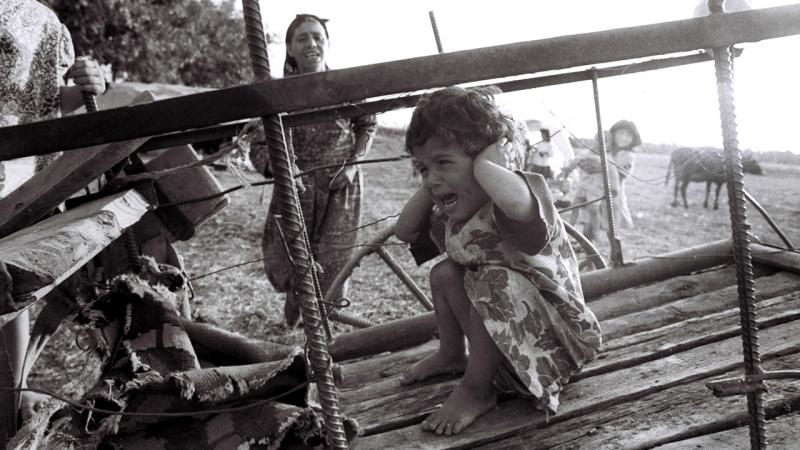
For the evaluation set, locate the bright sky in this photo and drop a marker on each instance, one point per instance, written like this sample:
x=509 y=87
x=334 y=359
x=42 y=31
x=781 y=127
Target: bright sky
x=676 y=106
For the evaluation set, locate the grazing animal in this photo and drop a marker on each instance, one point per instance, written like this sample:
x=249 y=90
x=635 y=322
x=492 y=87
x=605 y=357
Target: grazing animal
x=703 y=165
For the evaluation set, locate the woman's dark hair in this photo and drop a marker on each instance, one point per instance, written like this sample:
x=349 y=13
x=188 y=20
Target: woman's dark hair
x=624 y=125
x=290 y=66
x=467 y=117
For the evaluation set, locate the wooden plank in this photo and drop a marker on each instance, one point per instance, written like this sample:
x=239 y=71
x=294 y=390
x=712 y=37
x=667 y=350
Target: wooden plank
x=621 y=352
x=40 y=257
x=781 y=259
x=676 y=413
x=61 y=179
x=641 y=298
x=357 y=83
x=637 y=348
x=697 y=306
x=383 y=366
x=782 y=432
x=579 y=398
x=408 y=332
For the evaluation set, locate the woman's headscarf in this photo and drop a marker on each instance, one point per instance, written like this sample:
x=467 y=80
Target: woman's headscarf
x=290 y=66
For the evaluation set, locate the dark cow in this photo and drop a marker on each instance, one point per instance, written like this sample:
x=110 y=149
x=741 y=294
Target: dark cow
x=703 y=165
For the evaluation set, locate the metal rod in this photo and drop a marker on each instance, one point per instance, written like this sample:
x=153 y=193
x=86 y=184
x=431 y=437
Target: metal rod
x=616 y=248
x=769 y=220
x=740 y=229
x=304 y=281
x=435 y=32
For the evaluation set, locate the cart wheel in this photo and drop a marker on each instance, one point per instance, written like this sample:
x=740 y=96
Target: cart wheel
x=594 y=260
x=376 y=246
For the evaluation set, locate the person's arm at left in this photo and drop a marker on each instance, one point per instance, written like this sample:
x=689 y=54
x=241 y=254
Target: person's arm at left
x=364 y=129
x=88 y=77
x=507 y=190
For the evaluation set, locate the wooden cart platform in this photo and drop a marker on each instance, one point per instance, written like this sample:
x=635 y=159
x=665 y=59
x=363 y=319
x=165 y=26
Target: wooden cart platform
x=662 y=343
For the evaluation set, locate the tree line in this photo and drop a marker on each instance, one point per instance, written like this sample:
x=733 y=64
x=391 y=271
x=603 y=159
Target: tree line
x=190 y=42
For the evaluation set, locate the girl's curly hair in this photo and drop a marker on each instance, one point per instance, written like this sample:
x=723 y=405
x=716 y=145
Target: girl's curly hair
x=467 y=117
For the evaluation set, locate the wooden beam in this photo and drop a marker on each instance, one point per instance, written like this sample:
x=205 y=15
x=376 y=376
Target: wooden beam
x=354 y=84
x=776 y=257
x=407 y=101
x=42 y=256
x=404 y=333
x=68 y=174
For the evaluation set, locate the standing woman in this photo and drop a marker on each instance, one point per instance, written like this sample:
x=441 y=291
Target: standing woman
x=331 y=202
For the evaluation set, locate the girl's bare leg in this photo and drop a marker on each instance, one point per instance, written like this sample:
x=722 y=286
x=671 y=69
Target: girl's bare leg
x=475 y=394
x=447 y=288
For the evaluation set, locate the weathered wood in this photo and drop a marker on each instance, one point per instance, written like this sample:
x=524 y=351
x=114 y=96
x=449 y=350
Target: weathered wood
x=40 y=257
x=582 y=397
x=64 y=177
x=781 y=259
x=391 y=336
x=416 y=330
x=637 y=348
x=641 y=298
x=379 y=367
x=782 y=433
x=649 y=270
x=779 y=284
x=685 y=410
x=353 y=84
x=227 y=131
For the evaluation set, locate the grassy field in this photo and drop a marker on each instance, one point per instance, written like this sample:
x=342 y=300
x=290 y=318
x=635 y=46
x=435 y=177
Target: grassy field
x=242 y=300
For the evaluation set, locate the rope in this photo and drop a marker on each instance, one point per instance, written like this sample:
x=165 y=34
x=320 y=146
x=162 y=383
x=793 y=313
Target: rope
x=286 y=195
x=723 y=63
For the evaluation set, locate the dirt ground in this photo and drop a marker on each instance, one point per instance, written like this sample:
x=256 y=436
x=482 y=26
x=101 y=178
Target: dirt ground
x=241 y=299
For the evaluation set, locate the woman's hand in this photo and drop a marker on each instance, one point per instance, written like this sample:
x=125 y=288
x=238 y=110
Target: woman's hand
x=88 y=76
x=343 y=178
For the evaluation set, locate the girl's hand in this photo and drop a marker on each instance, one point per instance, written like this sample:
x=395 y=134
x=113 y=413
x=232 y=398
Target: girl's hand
x=498 y=153
x=343 y=178
x=88 y=76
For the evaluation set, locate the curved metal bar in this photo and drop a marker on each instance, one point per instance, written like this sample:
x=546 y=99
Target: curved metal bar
x=769 y=220
x=588 y=246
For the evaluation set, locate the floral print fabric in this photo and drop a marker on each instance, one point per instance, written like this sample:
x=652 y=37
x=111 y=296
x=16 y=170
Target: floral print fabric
x=531 y=303
x=35 y=54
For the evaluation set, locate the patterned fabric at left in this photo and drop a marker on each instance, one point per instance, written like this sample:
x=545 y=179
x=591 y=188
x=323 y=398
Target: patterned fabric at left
x=35 y=54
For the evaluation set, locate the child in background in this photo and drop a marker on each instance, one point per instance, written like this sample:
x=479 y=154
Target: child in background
x=624 y=142
x=510 y=281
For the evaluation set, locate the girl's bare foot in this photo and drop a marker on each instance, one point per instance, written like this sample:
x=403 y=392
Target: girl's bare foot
x=432 y=365
x=461 y=409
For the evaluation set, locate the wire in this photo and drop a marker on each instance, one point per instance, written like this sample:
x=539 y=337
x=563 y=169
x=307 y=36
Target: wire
x=159 y=414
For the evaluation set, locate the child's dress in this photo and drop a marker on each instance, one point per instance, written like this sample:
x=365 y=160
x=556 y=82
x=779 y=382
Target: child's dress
x=529 y=296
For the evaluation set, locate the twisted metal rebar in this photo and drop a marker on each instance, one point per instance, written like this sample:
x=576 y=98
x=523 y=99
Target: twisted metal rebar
x=304 y=273
x=723 y=63
x=616 y=249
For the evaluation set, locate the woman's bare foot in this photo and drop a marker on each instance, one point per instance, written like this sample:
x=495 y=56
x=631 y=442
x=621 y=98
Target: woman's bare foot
x=432 y=365
x=461 y=409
